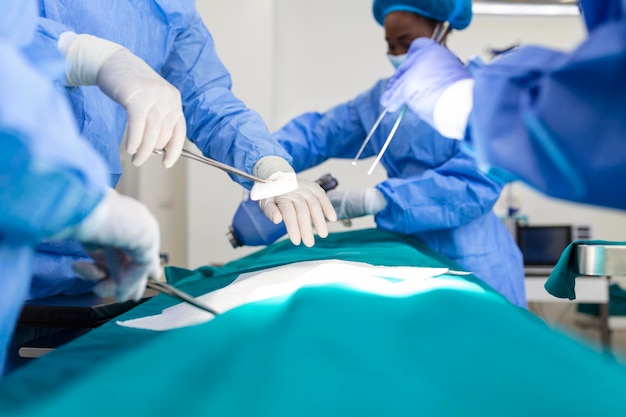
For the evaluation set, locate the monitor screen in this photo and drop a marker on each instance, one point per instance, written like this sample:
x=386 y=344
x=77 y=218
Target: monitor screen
x=543 y=245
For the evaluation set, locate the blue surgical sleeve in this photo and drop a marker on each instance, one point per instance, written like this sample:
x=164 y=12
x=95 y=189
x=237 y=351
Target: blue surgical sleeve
x=50 y=178
x=217 y=121
x=18 y=21
x=432 y=185
x=448 y=196
x=556 y=120
x=312 y=138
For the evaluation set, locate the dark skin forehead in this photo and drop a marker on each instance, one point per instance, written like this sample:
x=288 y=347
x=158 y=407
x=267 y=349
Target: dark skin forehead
x=402 y=28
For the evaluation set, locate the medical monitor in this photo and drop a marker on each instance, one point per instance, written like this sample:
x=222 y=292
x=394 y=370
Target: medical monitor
x=542 y=246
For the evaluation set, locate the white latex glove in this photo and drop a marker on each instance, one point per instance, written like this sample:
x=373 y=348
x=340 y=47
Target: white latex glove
x=123 y=238
x=154 y=107
x=357 y=202
x=298 y=208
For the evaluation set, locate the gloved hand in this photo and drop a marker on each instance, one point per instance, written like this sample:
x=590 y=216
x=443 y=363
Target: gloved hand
x=296 y=208
x=123 y=238
x=429 y=70
x=154 y=107
x=357 y=202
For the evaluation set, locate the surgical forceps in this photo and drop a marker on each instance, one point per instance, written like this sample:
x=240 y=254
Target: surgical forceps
x=438 y=34
x=174 y=292
x=217 y=164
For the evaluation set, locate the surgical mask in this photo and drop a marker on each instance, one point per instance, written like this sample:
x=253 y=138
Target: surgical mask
x=396 y=60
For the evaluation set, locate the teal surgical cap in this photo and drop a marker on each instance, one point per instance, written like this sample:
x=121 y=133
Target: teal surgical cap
x=457 y=12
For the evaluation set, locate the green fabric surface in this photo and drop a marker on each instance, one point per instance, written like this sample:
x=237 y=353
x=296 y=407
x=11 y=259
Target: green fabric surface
x=327 y=351
x=562 y=280
x=374 y=246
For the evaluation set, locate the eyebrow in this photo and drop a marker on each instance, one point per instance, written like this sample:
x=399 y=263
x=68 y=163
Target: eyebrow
x=401 y=37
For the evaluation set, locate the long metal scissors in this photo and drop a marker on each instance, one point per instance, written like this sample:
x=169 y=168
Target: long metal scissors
x=216 y=164
x=438 y=34
x=174 y=292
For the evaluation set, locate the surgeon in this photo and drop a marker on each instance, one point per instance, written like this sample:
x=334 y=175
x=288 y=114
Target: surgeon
x=552 y=119
x=434 y=192
x=53 y=184
x=150 y=67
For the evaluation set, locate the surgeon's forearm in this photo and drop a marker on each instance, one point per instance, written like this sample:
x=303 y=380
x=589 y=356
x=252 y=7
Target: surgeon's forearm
x=218 y=122
x=453 y=108
x=435 y=201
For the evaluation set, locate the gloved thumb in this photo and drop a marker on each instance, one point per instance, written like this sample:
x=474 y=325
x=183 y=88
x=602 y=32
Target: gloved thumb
x=89 y=271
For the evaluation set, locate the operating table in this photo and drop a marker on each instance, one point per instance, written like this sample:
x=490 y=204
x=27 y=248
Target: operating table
x=327 y=350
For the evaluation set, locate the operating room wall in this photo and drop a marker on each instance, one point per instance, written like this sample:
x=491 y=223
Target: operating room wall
x=291 y=56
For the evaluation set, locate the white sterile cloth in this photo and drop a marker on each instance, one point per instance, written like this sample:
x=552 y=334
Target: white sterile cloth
x=280 y=282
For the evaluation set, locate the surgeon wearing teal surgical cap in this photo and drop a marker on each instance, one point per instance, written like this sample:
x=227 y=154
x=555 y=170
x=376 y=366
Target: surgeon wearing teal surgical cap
x=434 y=192
x=458 y=13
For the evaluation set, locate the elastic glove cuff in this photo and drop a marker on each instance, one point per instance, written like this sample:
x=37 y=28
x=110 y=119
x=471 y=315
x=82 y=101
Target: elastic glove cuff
x=375 y=201
x=357 y=202
x=84 y=55
x=452 y=109
x=269 y=165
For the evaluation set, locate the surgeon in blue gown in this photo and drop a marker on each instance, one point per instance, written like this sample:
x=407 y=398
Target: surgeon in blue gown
x=53 y=184
x=434 y=191
x=194 y=91
x=553 y=119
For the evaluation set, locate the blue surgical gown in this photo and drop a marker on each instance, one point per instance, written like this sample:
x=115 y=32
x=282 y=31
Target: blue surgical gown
x=434 y=191
x=50 y=178
x=556 y=120
x=171 y=37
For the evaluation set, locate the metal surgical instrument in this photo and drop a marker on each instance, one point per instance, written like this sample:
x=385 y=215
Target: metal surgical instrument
x=216 y=164
x=440 y=30
x=165 y=288
x=174 y=292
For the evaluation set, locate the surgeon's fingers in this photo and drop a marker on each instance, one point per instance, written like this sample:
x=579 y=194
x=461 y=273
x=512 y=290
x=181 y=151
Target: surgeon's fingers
x=105 y=288
x=315 y=215
x=148 y=142
x=156 y=271
x=270 y=209
x=165 y=131
x=132 y=283
x=321 y=209
x=174 y=147
x=89 y=271
x=290 y=218
x=129 y=274
x=319 y=220
x=135 y=128
x=303 y=216
x=327 y=207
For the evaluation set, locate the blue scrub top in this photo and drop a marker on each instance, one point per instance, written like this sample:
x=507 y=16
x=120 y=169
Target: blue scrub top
x=50 y=178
